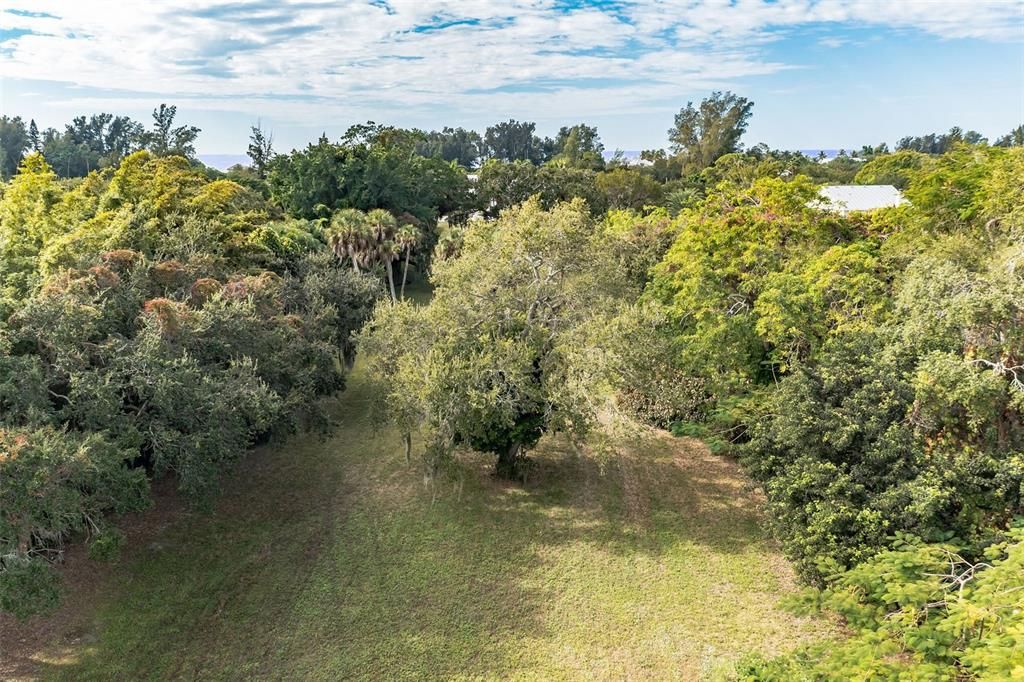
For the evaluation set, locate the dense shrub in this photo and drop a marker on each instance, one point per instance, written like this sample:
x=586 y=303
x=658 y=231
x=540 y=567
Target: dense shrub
x=918 y=611
x=150 y=338
x=56 y=483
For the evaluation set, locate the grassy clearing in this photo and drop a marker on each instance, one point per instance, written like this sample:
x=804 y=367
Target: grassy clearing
x=331 y=559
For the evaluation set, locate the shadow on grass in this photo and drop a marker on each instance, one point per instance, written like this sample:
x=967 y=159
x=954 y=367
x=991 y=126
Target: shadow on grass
x=330 y=559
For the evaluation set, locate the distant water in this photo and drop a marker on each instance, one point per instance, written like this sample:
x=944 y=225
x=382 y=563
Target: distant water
x=223 y=161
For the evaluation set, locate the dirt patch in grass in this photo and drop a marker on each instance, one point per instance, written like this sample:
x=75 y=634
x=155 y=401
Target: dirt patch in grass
x=26 y=646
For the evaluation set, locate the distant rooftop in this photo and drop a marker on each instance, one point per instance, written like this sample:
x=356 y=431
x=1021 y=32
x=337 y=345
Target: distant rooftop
x=847 y=198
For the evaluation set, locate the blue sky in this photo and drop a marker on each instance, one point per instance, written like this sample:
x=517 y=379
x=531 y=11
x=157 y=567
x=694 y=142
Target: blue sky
x=823 y=73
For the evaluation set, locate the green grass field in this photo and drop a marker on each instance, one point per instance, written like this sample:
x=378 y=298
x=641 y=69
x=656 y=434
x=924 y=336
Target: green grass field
x=332 y=559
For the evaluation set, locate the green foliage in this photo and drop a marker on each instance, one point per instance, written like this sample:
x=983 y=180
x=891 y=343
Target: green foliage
x=918 y=611
x=56 y=484
x=628 y=188
x=513 y=140
x=638 y=242
x=892 y=169
x=27 y=586
x=940 y=143
x=88 y=144
x=167 y=140
x=1002 y=192
x=500 y=354
x=106 y=545
x=27 y=221
x=142 y=335
x=14 y=142
x=579 y=146
x=947 y=190
x=503 y=185
x=465 y=147
x=372 y=167
x=717 y=280
x=702 y=134
x=867 y=368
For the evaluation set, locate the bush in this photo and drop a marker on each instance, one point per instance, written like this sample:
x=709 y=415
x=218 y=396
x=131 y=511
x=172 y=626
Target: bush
x=917 y=611
x=27 y=586
x=56 y=484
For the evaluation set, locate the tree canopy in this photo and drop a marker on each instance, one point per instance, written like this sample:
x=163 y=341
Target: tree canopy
x=499 y=356
x=703 y=134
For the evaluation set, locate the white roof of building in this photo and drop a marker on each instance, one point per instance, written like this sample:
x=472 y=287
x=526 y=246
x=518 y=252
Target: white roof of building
x=846 y=198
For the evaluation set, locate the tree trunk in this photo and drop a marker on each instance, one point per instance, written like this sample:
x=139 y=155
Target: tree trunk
x=407 y=439
x=391 y=279
x=405 y=271
x=508 y=461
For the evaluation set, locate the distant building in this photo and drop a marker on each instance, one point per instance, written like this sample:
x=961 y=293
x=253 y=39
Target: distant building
x=845 y=199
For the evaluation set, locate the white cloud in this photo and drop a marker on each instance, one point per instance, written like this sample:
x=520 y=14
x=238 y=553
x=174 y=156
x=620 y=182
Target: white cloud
x=464 y=54
x=832 y=41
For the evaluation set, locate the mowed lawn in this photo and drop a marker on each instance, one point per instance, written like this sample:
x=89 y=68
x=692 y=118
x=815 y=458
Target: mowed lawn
x=331 y=559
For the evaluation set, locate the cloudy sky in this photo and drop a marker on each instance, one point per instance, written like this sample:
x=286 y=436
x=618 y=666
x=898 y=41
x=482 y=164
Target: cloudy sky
x=823 y=73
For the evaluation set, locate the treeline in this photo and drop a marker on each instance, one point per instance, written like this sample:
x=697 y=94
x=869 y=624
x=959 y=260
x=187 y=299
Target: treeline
x=93 y=142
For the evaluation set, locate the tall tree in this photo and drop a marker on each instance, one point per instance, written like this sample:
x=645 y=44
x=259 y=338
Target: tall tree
x=407 y=237
x=349 y=236
x=384 y=247
x=34 y=141
x=703 y=134
x=13 y=143
x=261 y=150
x=502 y=353
x=166 y=140
x=580 y=146
x=93 y=142
x=367 y=239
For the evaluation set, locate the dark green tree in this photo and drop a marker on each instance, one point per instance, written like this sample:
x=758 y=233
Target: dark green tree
x=261 y=150
x=516 y=141
x=166 y=140
x=13 y=143
x=34 y=141
x=462 y=146
x=579 y=146
x=702 y=134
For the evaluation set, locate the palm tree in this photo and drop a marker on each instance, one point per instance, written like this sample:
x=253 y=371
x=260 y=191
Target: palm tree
x=384 y=247
x=350 y=236
x=407 y=237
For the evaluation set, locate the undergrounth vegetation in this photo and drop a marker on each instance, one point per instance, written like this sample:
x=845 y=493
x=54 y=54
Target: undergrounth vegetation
x=332 y=559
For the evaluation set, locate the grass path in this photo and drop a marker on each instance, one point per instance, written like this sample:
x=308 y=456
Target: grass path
x=330 y=559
